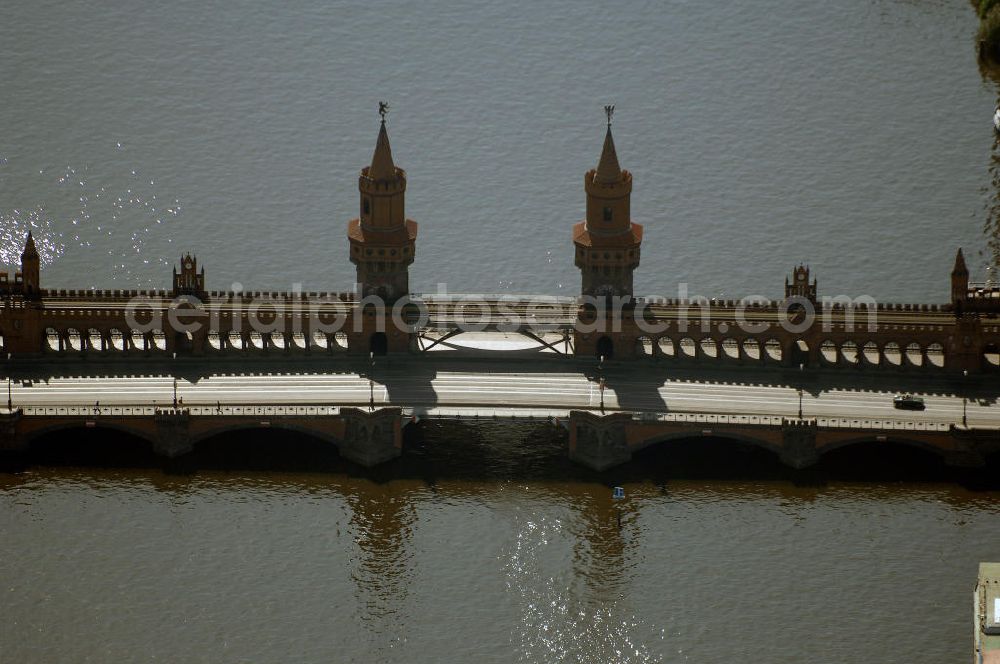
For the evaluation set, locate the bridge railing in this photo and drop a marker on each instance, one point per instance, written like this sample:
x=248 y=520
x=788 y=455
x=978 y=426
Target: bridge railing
x=777 y=420
x=149 y=410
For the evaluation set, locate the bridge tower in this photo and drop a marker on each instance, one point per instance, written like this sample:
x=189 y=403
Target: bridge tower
x=959 y=282
x=382 y=238
x=607 y=242
x=30 y=270
x=382 y=246
x=607 y=252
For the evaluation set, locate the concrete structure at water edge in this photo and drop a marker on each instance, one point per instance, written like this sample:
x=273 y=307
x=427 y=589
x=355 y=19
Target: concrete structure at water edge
x=986 y=615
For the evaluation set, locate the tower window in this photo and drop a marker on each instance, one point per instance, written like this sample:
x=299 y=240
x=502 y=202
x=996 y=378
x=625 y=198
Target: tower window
x=366 y=206
x=607 y=214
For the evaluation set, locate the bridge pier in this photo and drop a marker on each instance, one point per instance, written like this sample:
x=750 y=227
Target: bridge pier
x=798 y=443
x=11 y=439
x=371 y=437
x=971 y=447
x=598 y=441
x=173 y=432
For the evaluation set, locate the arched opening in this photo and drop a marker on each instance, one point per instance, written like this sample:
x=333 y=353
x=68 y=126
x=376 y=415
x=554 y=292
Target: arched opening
x=73 y=339
x=91 y=447
x=708 y=457
x=828 y=352
x=882 y=460
x=914 y=356
x=991 y=357
x=605 y=348
x=319 y=340
x=731 y=349
x=94 y=339
x=751 y=348
x=644 y=347
x=116 y=340
x=870 y=353
x=893 y=355
x=378 y=344
x=849 y=352
x=709 y=348
x=52 y=340
x=272 y=449
x=688 y=348
x=935 y=355
x=772 y=350
x=666 y=345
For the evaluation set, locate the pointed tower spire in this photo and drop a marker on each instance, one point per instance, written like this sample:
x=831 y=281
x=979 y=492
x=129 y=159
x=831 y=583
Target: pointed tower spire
x=608 y=170
x=382 y=167
x=29 y=248
x=960 y=263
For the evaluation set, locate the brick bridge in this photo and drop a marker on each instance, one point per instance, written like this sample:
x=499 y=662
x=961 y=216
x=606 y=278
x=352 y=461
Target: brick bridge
x=596 y=440
x=799 y=328
x=366 y=438
x=602 y=441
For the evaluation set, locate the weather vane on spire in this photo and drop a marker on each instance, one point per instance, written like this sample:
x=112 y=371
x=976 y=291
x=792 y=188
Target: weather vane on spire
x=609 y=110
x=383 y=109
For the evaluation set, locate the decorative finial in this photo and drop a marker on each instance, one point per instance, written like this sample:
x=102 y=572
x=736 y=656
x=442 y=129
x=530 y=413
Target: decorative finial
x=383 y=109
x=609 y=110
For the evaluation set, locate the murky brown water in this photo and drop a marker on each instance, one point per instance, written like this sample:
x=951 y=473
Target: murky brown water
x=484 y=543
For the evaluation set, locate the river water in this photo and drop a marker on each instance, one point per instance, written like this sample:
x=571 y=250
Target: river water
x=854 y=136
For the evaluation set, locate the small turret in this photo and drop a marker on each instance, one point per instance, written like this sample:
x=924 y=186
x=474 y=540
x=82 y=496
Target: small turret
x=799 y=286
x=959 y=282
x=189 y=281
x=30 y=269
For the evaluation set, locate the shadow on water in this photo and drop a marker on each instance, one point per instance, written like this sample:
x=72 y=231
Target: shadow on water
x=499 y=451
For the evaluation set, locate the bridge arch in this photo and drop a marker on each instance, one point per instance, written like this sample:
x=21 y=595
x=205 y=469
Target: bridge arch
x=687 y=348
x=914 y=354
x=730 y=348
x=991 y=357
x=721 y=435
x=889 y=439
x=645 y=346
x=935 y=355
x=275 y=426
x=98 y=425
x=605 y=347
x=893 y=354
x=870 y=354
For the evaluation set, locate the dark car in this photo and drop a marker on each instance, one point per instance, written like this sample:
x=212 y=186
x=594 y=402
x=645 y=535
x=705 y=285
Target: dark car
x=908 y=402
